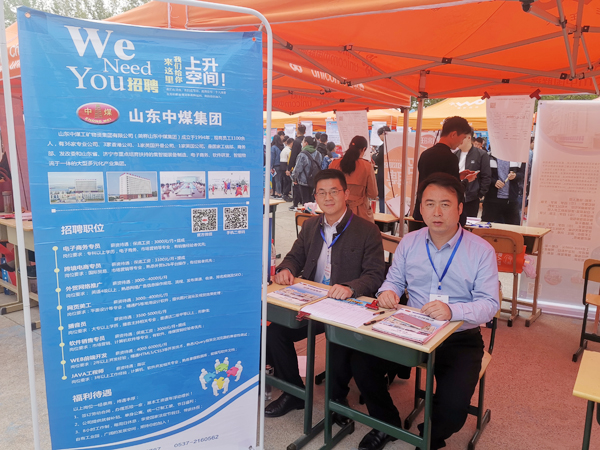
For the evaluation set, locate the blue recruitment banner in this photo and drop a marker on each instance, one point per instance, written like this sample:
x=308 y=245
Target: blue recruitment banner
x=145 y=158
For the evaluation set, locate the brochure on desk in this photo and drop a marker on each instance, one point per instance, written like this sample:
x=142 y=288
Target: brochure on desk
x=145 y=158
x=399 y=328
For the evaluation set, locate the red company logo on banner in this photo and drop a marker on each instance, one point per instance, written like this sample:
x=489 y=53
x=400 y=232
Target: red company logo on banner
x=98 y=113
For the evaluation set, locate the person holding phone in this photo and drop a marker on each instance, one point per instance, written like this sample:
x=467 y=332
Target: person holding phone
x=477 y=161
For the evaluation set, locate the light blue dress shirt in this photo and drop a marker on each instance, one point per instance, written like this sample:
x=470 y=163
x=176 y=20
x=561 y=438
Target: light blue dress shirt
x=471 y=281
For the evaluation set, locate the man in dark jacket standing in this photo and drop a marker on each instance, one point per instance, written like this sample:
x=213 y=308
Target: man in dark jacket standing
x=477 y=160
x=501 y=204
x=296 y=149
x=440 y=158
x=379 y=161
x=336 y=248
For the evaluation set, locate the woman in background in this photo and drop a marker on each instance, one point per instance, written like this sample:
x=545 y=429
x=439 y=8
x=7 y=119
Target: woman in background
x=360 y=177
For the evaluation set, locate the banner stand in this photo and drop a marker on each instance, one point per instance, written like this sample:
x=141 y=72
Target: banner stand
x=22 y=269
x=19 y=216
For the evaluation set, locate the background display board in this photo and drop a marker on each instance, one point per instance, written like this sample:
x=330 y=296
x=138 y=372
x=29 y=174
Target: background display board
x=333 y=133
x=145 y=159
x=350 y=124
x=565 y=197
x=509 y=122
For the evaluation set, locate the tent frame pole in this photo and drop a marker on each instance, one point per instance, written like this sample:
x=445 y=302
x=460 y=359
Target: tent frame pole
x=577 y=34
x=404 y=171
x=589 y=61
x=563 y=24
x=421 y=101
x=22 y=269
x=538 y=12
x=373 y=66
x=266 y=244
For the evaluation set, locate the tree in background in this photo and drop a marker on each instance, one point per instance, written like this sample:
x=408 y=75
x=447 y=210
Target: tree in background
x=80 y=9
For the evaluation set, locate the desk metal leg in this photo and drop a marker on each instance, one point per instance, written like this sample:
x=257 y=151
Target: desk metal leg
x=535 y=312
x=307 y=393
x=588 y=425
x=428 y=403
x=332 y=441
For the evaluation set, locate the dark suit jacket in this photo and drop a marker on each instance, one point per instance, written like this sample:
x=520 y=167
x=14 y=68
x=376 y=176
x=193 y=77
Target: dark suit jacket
x=438 y=158
x=356 y=257
x=477 y=159
x=513 y=185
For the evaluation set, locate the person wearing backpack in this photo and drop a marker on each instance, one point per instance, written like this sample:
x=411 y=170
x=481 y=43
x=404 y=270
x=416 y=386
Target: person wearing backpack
x=360 y=177
x=308 y=164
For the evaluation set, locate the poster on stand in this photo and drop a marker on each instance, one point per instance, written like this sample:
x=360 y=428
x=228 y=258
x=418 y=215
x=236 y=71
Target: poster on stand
x=565 y=198
x=375 y=126
x=309 y=127
x=509 y=122
x=393 y=164
x=290 y=130
x=350 y=124
x=145 y=159
x=333 y=134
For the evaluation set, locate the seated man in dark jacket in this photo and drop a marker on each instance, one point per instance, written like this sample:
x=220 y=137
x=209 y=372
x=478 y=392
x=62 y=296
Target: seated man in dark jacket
x=336 y=248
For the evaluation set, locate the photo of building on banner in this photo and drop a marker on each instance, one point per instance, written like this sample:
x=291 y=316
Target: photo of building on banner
x=149 y=280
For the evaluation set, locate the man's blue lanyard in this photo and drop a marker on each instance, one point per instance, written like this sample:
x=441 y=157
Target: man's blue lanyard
x=449 y=261
x=337 y=237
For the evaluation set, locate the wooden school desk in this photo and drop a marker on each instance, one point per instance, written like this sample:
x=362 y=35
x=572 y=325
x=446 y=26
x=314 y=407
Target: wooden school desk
x=587 y=387
x=394 y=349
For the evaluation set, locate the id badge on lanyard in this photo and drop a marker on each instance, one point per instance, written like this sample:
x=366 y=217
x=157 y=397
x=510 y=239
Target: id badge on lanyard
x=439 y=296
x=327 y=271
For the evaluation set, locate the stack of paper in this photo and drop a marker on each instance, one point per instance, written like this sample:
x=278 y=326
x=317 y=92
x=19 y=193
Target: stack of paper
x=351 y=312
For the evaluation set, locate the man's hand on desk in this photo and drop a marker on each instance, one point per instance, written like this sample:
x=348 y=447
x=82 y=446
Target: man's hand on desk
x=437 y=310
x=340 y=292
x=284 y=277
x=388 y=300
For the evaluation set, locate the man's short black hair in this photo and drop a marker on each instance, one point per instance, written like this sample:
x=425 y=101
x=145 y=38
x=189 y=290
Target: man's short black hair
x=383 y=129
x=331 y=146
x=330 y=174
x=289 y=141
x=318 y=135
x=324 y=137
x=444 y=180
x=301 y=129
x=456 y=123
x=480 y=140
x=281 y=133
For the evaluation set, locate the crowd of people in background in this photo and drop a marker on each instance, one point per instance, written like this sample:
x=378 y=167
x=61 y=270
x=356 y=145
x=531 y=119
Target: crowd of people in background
x=493 y=187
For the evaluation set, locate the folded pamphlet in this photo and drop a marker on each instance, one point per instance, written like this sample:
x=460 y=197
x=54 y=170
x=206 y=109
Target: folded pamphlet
x=411 y=325
x=299 y=293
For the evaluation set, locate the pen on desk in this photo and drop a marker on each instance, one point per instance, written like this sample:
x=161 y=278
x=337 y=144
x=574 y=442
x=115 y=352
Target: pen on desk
x=379 y=312
x=371 y=322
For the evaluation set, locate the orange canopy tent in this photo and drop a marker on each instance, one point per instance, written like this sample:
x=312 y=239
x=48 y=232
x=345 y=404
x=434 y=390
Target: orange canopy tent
x=471 y=108
x=279 y=119
x=356 y=54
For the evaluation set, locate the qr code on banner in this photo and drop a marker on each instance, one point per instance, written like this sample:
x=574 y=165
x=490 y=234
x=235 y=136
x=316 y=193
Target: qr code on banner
x=235 y=218
x=204 y=219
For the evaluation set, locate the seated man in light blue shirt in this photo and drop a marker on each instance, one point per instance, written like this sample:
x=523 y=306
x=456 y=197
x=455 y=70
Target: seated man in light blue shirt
x=450 y=274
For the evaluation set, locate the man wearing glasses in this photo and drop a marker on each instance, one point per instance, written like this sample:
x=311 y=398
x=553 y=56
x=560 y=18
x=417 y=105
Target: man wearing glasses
x=336 y=248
